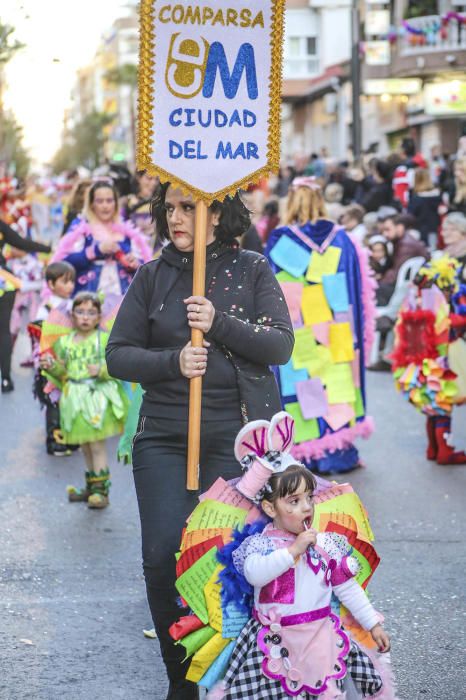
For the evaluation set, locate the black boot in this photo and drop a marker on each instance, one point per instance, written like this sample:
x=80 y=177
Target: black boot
x=182 y=690
x=7 y=385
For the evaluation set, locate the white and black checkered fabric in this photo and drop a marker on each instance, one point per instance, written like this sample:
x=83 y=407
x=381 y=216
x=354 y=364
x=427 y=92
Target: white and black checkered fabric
x=362 y=671
x=244 y=679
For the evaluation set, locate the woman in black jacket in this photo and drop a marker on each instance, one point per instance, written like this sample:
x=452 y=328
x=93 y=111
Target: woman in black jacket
x=7 y=299
x=247 y=328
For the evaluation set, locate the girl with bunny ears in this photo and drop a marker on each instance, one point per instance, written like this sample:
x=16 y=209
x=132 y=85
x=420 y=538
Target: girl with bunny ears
x=294 y=644
x=288 y=580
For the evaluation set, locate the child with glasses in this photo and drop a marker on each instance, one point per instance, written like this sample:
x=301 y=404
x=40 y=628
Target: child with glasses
x=93 y=406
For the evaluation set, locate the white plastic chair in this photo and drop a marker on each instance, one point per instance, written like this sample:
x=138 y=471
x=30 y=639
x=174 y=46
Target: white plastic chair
x=406 y=274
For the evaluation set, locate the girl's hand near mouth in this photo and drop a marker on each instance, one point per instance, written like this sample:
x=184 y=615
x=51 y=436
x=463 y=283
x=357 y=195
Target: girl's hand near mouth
x=304 y=540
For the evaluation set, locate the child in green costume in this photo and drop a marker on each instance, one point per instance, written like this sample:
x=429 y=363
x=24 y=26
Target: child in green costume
x=93 y=406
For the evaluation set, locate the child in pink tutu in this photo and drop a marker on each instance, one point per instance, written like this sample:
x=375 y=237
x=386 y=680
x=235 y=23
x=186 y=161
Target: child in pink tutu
x=294 y=644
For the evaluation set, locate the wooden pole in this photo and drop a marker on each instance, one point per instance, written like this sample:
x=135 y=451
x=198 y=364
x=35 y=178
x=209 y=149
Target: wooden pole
x=197 y=336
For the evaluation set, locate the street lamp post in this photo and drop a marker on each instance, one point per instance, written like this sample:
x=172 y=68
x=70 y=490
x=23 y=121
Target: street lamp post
x=356 y=79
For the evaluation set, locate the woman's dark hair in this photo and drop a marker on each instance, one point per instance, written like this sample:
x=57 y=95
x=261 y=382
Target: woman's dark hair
x=82 y=297
x=383 y=169
x=59 y=269
x=235 y=218
x=78 y=195
x=99 y=185
x=408 y=147
x=271 y=208
x=406 y=220
x=288 y=482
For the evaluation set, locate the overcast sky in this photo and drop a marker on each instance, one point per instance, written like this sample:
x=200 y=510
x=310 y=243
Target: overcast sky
x=60 y=36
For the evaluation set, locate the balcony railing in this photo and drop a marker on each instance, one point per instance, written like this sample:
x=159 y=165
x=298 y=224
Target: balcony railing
x=451 y=37
x=302 y=67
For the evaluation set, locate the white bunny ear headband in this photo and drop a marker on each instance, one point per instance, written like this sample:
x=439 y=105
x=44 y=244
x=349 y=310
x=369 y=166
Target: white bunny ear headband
x=263 y=449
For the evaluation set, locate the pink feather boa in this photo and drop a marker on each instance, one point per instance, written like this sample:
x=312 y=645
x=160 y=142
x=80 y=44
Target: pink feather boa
x=68 y=243
x=369 y=285
x=70 y=240
x=316 y=449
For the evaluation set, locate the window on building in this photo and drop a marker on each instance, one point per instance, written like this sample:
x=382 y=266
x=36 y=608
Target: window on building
x=421 y=8
x=301 y=60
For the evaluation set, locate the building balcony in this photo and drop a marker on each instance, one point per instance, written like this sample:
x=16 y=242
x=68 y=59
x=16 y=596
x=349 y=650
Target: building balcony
x=421 y=56
x=451 y=37
x=306 y=67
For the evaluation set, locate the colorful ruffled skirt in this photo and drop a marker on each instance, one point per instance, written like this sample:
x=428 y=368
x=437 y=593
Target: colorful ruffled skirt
x=92 y=410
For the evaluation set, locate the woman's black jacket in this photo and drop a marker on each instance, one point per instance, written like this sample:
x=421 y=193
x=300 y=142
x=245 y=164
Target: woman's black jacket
x=251 y=321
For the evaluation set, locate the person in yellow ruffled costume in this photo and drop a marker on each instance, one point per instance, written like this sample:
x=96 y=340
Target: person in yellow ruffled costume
x=429 y=357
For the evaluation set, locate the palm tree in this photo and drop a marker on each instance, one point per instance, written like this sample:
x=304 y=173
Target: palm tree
x=126 y=74
x=7 y=49
x=11 y=148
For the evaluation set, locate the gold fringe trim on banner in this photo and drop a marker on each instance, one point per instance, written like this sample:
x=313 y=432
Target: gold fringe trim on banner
x=147 y=66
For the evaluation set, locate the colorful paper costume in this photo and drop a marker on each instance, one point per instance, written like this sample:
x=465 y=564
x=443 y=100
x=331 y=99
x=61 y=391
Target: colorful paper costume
x=227 y=619
x=429 y=355
x=329 y=290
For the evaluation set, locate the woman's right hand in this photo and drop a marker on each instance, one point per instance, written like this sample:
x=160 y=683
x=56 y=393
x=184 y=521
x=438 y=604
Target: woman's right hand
x=193 y=361
x=108 y=247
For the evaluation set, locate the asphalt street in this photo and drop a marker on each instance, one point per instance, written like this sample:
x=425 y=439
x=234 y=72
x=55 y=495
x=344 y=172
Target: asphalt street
x=72 y=598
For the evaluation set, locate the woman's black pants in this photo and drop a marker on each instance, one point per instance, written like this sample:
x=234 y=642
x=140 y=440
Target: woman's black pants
x=159 y=467
x=6 y=347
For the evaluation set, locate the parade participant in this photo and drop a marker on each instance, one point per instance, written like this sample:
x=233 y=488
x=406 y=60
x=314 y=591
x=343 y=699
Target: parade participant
x=247 y=328
x=268 y=628
x=7 y=298
x=104 y=251
x=28 y=268
x=137 y=209
x=93 y=406
x=429 y=356
x=60 y=279
x=294 y=644
x=329 y=288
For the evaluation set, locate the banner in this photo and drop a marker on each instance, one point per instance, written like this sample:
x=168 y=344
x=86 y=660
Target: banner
x=377 y=53
x=448 y=98
x=392 y=86
x=377 y=22
x=209 y=93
